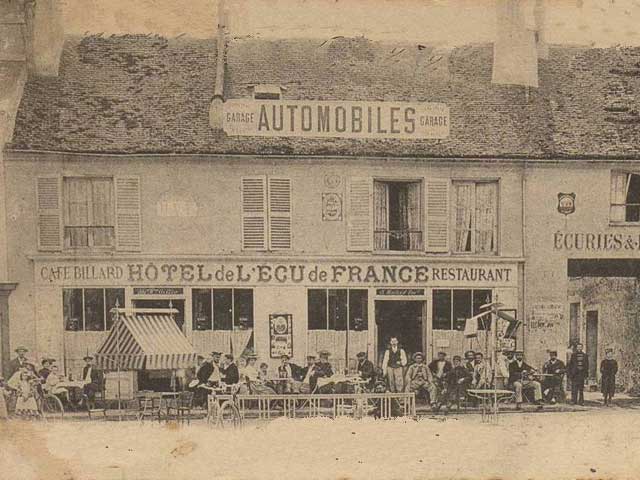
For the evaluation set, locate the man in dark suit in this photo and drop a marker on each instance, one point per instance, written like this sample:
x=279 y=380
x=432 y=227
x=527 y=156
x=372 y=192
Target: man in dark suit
x=366 y=370
x=322 y=369
x=519 y=377
x=20 y=361
x=578 y=371
x=92 y=381
x=552 y=385
x=440 y=368
x=458 y=381
x=229 y=371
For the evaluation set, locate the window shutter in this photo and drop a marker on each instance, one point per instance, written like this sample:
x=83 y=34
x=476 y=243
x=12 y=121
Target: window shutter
x=359 y=214
x=279 y=213
x=128 y=219
x=254 y=213
x=437 y=215
x=49 y=199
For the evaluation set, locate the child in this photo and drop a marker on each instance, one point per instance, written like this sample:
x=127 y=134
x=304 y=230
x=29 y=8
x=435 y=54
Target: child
x=26 y=400
x=608 y=370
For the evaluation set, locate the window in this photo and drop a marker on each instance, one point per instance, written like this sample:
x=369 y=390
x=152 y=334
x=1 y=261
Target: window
x=451 y=308
x=476 y=217
x=88 y=309
x=337 y=309
x=625 y=197
x=266 y=213
x=222 y=309
x=88 y=212
x=398 y=215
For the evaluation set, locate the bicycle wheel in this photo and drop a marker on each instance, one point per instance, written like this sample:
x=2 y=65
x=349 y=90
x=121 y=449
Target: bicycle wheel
x=52 y=408
x=229 y=415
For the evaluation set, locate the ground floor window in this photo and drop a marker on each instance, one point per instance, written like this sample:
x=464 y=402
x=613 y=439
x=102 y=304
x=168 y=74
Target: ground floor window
x=337 y=309
x=88 y=309
x=222 y=308
x=452 y=307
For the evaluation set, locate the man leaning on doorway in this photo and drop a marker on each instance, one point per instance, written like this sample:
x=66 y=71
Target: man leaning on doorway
x=393 y=363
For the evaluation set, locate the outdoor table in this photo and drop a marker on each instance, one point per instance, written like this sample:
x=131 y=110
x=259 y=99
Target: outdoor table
x=491 y=398
x=75 y=388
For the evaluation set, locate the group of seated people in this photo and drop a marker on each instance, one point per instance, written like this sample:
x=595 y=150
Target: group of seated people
x=442 y=381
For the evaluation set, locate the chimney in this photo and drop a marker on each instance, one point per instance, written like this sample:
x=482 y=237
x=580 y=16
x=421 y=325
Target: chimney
x=215 y=110
x=44 y=36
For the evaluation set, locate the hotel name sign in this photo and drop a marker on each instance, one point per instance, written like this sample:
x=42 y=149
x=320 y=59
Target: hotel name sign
x=275 y=273
x=298 y=118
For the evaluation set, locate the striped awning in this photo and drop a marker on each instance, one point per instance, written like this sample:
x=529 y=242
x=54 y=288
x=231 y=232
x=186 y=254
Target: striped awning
x=146 y=341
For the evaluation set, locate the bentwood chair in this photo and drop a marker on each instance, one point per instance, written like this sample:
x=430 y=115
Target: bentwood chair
x=149 y=406
x=182 y=407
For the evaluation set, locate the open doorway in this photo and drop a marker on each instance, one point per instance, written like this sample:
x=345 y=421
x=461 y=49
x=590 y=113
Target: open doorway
x=402 y=319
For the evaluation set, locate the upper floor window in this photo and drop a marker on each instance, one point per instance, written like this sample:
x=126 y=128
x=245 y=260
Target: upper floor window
x=266 y=213
x=625 y=197
x=88 y=212
x=398 y=215
x=476 y=217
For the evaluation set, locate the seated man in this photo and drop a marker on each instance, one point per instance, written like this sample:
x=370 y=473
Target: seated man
x=458 y=380
x=366 y=370
x=303 y=380
x=481 y=372
x=322 y=369
x=440 y=368
x=419 y=379
x=519 y=377
x=290 y=372
x=92 y=381
x=552 y=386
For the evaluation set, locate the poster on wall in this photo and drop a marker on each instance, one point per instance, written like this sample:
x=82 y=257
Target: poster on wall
x=281 y=334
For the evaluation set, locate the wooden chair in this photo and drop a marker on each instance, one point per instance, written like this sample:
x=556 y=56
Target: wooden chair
x=182 y=407
x=149 y=405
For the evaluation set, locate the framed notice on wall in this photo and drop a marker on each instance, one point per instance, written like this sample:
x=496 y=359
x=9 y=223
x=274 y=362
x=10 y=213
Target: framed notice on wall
x=281 y=334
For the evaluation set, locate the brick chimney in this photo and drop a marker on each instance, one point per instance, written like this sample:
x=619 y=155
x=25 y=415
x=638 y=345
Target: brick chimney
x=44 y=35
x=215 y=110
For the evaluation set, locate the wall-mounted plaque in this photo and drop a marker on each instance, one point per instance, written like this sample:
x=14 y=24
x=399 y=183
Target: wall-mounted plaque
x=331 y=207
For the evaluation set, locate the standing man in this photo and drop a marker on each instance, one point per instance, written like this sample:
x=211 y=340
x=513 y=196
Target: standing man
x=393 y=363
x=578 y=371
x=552 y=385
x=92 y=381
x=608 y=370
x=519 y=372
x=229 y=371
x=20 y=361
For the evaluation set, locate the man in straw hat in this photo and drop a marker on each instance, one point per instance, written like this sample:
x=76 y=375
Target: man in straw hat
x=20 y=361
x=419 y=379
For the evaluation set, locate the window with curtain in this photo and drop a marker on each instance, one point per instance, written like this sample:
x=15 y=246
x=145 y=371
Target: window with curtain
x=476 y=217
x=398 y=215
x=625 y=197
x=337 y=309
x=222 y=308
x=89 y=309
x=89 y=212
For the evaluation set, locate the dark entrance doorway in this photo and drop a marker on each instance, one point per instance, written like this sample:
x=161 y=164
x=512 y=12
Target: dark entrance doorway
x=402 y=319
x=592 y=342
x=178 y=304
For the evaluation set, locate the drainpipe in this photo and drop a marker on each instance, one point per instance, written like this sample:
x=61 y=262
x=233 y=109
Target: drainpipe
x=215 y=110
x=523 y=278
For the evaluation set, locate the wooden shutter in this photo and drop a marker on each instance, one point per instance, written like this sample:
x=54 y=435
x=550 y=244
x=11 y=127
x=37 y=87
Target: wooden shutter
x=279 y=213
x=437 y=215
x=128 y=218
x=359 y=214
x=254 y=213
x=49 y=200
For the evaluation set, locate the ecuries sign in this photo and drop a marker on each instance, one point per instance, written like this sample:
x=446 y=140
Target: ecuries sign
x=282 y=118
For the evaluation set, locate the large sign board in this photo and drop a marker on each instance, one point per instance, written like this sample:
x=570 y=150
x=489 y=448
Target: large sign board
x=299 y=118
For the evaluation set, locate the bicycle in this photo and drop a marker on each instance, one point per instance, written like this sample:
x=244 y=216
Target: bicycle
x=49 y=406
x=223 y=414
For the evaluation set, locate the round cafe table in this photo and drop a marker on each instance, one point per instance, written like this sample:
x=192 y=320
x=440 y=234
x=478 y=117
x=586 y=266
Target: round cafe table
x=490 y=398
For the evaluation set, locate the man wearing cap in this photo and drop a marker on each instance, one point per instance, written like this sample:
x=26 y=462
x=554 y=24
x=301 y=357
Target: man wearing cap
x=458 y=380
x=552 y=385
x=578 y=372
x=92 y=380
x=366 y=370
x=519 y=377
x=393 y=363
x=20 y=361
x=419 y=379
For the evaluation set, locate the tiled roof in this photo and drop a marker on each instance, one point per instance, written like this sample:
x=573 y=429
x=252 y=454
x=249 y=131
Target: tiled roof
x=147 y=94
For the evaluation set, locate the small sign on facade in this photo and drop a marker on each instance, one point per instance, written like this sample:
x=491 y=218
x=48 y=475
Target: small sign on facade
x=566 y=203
x=331 y=207
x=281 y=334
x=158 y=291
